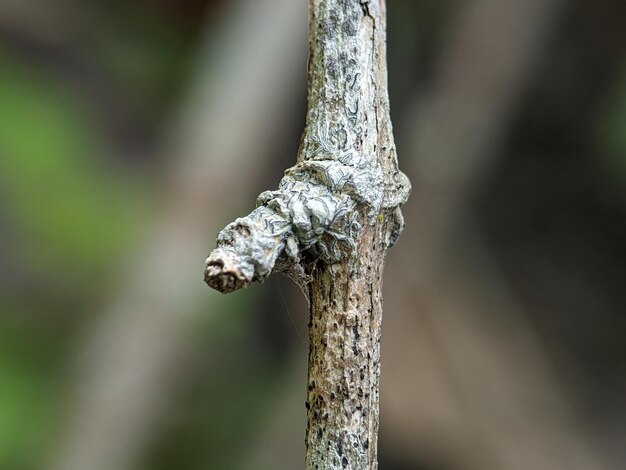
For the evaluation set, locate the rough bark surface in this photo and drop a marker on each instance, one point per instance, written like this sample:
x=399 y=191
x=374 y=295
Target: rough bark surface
x=329 y=225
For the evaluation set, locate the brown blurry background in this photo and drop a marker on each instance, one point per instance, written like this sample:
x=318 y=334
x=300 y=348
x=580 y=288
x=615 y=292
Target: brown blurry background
x=131 y=132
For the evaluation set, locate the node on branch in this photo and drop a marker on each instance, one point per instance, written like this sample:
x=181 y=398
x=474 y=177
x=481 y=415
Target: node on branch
x=329 y=225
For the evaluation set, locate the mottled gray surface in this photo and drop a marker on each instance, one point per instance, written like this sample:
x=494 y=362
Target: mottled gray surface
x=329 y=225
x=313 y=209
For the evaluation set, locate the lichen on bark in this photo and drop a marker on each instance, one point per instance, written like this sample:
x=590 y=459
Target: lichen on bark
x=338 y=209
x=314 y=208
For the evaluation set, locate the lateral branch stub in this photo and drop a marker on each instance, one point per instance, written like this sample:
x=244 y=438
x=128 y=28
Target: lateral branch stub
x=321 y=206
x=328 y=226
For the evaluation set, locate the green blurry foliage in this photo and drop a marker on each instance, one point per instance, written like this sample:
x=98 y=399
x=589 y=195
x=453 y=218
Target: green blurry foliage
x=612 y=129
x=70 y=212
x=71 y=207
x=70 y=216
x=27 y=397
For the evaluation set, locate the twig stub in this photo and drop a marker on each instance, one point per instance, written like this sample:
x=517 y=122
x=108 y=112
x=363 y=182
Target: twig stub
x=315 y=209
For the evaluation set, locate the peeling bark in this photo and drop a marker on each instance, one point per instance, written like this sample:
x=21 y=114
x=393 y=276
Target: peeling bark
x=329 y=225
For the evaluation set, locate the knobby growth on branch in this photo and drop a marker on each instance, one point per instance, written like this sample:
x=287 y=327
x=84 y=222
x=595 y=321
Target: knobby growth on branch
x=328 y=226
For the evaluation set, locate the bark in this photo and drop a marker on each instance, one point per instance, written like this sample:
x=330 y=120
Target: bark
x=329 y=225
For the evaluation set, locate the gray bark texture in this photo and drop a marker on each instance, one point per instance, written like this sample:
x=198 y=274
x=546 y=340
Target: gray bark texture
x=329 y=225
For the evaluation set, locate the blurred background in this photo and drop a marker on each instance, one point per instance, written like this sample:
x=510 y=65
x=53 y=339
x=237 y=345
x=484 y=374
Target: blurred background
x=131 y=132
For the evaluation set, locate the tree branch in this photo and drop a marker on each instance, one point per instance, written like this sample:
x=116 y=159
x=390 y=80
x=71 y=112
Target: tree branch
x=329 y=225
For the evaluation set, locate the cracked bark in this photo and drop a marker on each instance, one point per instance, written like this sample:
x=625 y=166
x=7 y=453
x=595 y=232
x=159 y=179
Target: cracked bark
x=329 y=226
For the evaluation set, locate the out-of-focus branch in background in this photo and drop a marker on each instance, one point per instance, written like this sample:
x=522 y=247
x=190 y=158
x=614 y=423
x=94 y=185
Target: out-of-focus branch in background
x=135 y=355
x=480 y=391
